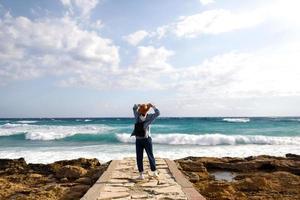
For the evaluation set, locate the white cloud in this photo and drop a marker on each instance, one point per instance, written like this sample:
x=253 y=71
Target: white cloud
x=79 y=57
x=82 y=7
x=149 y=71
x=215 y=22
x=264 y=73
x=97 y=25
x=51 y=46
x=264 y=82
x=160 y=31
x=206 y=2
x=151 y=58
x=59 y=47
x=279 y=13
x=136 y=37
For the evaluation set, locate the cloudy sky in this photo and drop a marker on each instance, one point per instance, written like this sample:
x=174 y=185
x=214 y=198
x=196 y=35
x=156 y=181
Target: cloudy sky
x=96 y=58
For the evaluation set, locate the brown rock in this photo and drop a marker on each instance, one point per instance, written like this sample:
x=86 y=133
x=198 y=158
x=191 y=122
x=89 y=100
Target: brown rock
x=12 y=166
x=84 y=180
x=257 y=177
x=35 y=175
x=72 y=172
x=95 y=173
x=51 y=180
x=64 y=180
x=192 y=166
x=38 y=181
x=80 y=188
x=80 y=162
x=293 y=156
x=41 y=168
x=77 y=191
x=52 y=187
x=193 y=176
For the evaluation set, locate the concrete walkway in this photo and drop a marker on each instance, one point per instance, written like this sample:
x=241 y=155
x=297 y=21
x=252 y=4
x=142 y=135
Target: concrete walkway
x=119 y=182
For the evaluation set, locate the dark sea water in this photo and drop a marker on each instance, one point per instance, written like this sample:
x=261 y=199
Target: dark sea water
x=47 y=140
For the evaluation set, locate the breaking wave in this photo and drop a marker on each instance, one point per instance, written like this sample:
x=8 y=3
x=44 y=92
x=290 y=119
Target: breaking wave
x=214 y=139
x=46 y=132
x=241 y=120
x=26 y=121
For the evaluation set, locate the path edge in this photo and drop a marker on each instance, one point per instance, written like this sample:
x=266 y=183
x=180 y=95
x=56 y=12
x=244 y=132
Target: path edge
x=187 y=186
x=94 y=192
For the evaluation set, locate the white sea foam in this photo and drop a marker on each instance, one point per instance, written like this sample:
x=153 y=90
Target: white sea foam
x=241 y=120
x=83 y=120
x=47 y=132
x=26 y=121
x=107 y=152
x=214 y=139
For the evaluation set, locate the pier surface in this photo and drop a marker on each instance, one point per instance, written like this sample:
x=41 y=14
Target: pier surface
x=119 y=181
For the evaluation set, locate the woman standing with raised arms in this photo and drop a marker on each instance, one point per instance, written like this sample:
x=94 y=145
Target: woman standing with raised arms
x=142 y=134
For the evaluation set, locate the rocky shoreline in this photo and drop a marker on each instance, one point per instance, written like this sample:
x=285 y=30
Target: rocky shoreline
x=61 y=180
x=251 y=178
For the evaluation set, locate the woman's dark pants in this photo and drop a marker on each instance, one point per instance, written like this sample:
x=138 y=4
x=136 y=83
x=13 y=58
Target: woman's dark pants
x=140 y=145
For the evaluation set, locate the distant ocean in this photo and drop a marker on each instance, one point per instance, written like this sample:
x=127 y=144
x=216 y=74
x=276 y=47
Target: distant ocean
x=47 y=140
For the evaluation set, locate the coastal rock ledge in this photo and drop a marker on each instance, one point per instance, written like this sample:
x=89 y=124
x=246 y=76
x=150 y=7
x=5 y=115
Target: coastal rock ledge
x=251 y=178
x=63 y=180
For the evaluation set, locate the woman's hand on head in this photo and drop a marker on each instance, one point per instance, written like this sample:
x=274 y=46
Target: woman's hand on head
x=150 y=105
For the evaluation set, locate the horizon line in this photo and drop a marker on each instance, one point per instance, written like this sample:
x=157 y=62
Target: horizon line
x=262 y=116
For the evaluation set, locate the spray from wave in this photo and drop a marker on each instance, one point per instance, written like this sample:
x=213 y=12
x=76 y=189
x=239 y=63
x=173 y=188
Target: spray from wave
x=214 y=139
x=27 y=121
x=237 y=120
x=45 y=132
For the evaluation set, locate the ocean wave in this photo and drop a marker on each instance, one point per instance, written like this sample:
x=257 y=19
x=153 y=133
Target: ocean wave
x=296 y=119
x=213 y=139
x=107 y=152
x=83 y=120
x=26 y=121
x=47 y=132
x=242 y=120
x=11 y=126
x=284 y=119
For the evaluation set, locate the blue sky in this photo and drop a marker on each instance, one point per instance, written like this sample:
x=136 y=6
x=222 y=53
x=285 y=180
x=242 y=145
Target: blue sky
x=96 y=58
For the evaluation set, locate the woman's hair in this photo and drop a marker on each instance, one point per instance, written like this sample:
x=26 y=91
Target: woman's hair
x=143 y=109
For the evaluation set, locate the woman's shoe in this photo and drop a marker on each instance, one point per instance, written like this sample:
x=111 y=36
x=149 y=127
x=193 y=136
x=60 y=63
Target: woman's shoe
x=155 y=174
x=141 y=176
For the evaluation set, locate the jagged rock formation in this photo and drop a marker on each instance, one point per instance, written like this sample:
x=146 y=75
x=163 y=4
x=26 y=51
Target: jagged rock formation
x=66 y=179
x=254 y=177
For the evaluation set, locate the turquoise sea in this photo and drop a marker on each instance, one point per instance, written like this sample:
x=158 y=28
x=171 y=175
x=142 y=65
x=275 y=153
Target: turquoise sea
x=49 y=139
